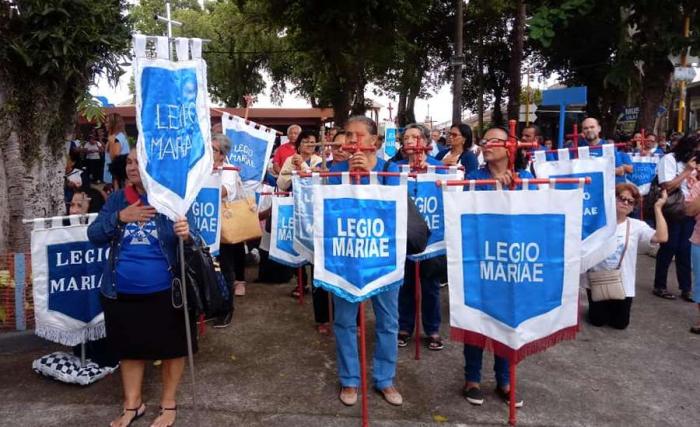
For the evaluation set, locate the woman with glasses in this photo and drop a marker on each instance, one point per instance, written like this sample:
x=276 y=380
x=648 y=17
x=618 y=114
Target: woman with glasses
x=630 y=233
x=459 y=139
x=305 y=159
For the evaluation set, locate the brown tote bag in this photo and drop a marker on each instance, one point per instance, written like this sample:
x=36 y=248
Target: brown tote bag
x=239 y=220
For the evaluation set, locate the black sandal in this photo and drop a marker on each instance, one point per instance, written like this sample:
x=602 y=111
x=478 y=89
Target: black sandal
x=136 y=416
x=435 y=343
x=663 y=293
x=695 y=329
x=404 y=338
x=174 y=408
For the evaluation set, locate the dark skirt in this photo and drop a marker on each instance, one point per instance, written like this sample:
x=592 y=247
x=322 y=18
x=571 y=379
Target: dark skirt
x=146 y=327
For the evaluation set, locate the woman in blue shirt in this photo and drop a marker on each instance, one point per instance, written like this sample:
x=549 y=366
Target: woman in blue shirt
x=137 y=298
x=460 y=141
x=496 y=167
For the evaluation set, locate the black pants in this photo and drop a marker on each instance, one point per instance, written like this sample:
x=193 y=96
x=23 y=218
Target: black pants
x=678 y=246
x=614 y=313
x=232 y=261
x=319 y=296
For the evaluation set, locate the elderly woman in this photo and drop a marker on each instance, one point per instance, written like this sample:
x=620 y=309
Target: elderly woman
x=231 y=256
x=141 y=319
x=305 y=160
x=630 y=233
x=460 y=141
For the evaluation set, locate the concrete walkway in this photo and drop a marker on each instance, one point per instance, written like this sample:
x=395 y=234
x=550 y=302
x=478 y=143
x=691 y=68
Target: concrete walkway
x=271 y=368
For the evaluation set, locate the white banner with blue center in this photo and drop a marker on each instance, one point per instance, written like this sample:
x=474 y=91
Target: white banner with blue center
x=428 y=199
x=282 y=233
x=304 y=215
x=598 y=212
x=359 y=238
x=206 y=211
x=66 y=277
x=251 y=146
x=172 y=116
x=513 y=263
x=643 y=172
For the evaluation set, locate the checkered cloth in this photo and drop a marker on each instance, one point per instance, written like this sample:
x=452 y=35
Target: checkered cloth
x=66 y=368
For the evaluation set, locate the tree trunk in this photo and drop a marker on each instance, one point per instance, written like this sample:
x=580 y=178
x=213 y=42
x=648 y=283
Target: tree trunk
x=655 y=83
x=401 y=109
x=516 y=59
x=480 y=100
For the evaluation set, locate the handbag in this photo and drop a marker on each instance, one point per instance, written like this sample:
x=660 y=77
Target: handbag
x=673 y=209
x=239 y=220
x=607 y=285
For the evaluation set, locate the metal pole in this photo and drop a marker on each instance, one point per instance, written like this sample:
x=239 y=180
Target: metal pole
x=300 y=286
x=363 y=367
x=417 y=286
x=512 y=412
x=457 y=61
x=188 y=332
x=684 y=59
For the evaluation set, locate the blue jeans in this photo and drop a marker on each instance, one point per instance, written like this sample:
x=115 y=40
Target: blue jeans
x=430 y=302
x=472 y=366
x=385 y=307
x=677 y=245
x=695 y=254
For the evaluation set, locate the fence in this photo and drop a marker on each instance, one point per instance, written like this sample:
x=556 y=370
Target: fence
x=16 y=301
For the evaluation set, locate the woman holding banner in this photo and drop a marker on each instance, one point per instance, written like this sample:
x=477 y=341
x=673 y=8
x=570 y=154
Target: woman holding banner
x=496 y=167
x=630 y=233
x=361 y=132
x=304 y=160
x=416 y=135
x=141 y=320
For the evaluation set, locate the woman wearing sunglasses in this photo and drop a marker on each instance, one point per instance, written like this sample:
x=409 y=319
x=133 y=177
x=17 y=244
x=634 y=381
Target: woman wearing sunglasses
x=630 y=233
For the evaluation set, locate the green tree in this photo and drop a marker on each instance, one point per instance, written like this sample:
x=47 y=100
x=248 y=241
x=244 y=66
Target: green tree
x=49 y=54
x=625 y=57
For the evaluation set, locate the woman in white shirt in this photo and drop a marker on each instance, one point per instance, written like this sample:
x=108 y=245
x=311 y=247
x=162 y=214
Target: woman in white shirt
x=306 y=159
x=616 y=313
x=673 y=171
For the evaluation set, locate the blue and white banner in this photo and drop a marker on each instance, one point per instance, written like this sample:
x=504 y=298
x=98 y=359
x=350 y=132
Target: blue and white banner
x=282 y=233
x=66 y=278
x=251 y=146
x=599 y=216
x=513 y=263
x=359 y=238
x=428 y=199
x=643 y=172
x=391 y=141
x=304 y=215
x=172 y=116
x=206 y=211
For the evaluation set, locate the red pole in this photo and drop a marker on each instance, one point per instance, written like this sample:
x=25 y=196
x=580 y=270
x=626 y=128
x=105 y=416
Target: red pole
x=418 y=308
x=300 y=287
x=512 y=411
x=576 y=136
x=363 y=367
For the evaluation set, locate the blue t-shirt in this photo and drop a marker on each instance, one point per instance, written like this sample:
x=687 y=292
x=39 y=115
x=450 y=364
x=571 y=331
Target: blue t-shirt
x=484 y=173
x=142 y=267
x=467 y=159
x=430 y=160
x=378 y=167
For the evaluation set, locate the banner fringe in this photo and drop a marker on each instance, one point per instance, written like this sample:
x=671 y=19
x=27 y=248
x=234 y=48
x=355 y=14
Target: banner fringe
x=71 y=338
x=514 y=356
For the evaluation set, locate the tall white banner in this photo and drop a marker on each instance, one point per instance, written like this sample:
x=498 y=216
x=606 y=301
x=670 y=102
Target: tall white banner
x=172 y=116
x=66 y=278
x=598 y=211
x=513 y=263
x=359 y=237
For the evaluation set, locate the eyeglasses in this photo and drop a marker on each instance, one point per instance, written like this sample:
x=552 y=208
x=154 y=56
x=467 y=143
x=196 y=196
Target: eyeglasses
x=216 y=150
x=626 y=201
x=494 y=141
x=455 y=135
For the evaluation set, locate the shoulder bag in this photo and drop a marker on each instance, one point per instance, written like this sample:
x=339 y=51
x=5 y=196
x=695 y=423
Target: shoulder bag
x=607 y=285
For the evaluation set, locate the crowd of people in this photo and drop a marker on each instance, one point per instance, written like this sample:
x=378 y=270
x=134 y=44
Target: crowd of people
x=143 y=323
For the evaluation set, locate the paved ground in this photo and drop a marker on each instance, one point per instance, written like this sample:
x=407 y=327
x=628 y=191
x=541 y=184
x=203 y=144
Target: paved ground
x=271 y=368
